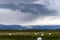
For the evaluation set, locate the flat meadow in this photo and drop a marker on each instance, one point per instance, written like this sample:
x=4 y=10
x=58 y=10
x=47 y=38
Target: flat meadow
x=29 y=34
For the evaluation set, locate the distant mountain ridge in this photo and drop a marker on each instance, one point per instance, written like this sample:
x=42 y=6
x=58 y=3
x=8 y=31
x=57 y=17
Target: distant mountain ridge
x=11 y=27
x=33 y=27
x=46 y=27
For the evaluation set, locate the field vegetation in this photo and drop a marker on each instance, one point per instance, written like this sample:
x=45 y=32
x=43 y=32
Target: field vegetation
x=29 y=34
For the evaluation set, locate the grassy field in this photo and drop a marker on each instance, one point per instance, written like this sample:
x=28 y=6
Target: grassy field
x=30 y=35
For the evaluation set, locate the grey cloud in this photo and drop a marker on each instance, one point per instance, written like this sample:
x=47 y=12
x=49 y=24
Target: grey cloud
x=38 y=9
x=30 y=8
x=26 y=1
x=15 y=2
x=33 y=11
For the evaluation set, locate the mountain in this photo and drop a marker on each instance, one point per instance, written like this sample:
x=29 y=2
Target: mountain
x=46 y=27
x=33 y=27
x=11 y=27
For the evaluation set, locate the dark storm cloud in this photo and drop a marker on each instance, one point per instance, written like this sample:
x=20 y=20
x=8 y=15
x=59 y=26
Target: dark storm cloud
x=38 y=9
x=26 y=1
x=33 y=11
x=16 y=2
x=31 y=8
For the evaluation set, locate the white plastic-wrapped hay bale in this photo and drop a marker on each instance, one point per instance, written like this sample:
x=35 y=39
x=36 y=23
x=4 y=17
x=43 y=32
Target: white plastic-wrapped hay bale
x=9 y=34
x=39 y=38
x=49 y=33
x=35 y=33
x=42 y=34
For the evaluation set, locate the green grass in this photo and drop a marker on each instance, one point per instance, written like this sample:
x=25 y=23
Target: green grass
x=29 y=35
x=17 y=38
x=27 y=38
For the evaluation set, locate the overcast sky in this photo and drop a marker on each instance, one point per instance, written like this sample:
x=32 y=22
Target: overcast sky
x=30 y=12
